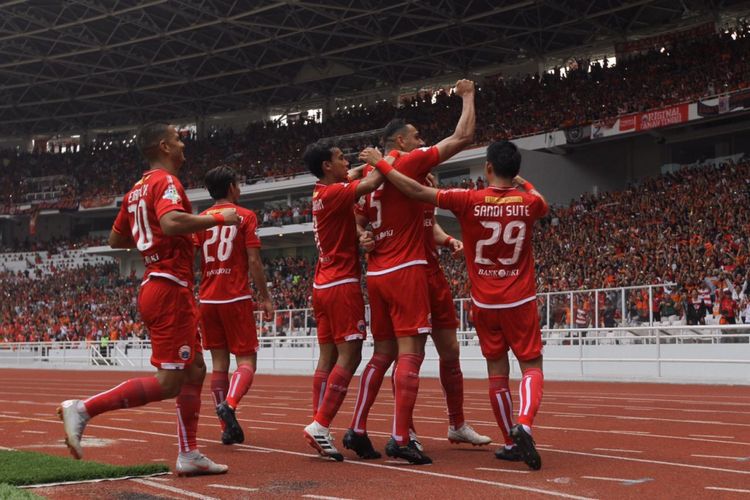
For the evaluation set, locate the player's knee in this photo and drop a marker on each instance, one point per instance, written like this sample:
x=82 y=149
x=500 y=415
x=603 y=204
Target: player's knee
x=171 y=385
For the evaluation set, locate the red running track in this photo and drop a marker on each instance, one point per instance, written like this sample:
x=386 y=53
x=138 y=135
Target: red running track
x=597 y=440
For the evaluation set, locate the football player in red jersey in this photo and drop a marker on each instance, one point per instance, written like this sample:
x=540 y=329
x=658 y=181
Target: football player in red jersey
x=497 y=226
x=156 y=218
x=337 y=294
x=227 y=317
x=398 y=265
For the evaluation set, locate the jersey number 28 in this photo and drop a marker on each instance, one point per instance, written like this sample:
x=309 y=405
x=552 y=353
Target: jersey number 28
x=225 y=235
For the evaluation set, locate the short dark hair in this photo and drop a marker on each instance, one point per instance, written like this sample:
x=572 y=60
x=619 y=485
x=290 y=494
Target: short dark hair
x=393 y=128
x=149 y=136
x=504 y=158
x=314 y=156
x=218 y=180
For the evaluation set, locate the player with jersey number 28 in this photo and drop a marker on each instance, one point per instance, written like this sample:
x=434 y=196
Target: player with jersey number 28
x=227 y=317
x=497 y=227
x=337 y=292
x=156 y=218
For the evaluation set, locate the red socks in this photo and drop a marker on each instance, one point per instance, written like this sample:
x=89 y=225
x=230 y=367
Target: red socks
x=532 y=387
x=337 y=385
x=369 y=385
x=452 y=380
x=188 y=410
x=129 y=394
x=319 y=389
x=502 y=405
x=407 y=386
x=242 y=379
x=219 y=386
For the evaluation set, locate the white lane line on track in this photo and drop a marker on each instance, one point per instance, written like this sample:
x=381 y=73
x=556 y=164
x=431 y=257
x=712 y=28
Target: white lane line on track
x=710 y=436
x=254 y=451
x=738 y=459
x=321 y=497
x=646 y=461
x=617 y=449
x=34 y=432
x=733 y=490
x=90 y=481
x=162 y=422
x=275 y=414
x=230 y=487
x=172 y=489
x=121 y=419
x=502 y=470
x=133 y=440
x=349 y=462
x=625 y=482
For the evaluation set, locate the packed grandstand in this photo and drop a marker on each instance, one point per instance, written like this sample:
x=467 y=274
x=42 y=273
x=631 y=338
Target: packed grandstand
x=685 y=231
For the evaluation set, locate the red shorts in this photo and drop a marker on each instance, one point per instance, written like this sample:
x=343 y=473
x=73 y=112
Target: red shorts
x=229 y=326
x=169 y=312
x=441 y=301
x=339 y=313
x=516 y=328
x=399 y=303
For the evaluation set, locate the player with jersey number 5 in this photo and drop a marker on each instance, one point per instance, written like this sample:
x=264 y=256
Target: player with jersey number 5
x=156 y=218
x=337 y=292
x=497 y=227
x=227 y=316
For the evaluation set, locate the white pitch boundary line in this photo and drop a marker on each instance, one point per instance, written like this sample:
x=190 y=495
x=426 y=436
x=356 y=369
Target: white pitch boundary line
x=733 y=490
x=350 y=462
x=172 y=489
x=89 y=481
x=230 y=487
x=617 y=449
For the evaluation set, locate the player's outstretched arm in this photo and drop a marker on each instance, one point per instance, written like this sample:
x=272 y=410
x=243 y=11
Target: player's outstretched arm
x=177 y=222
x=255 y=265
x=406 y=185
x=446 y=240
x=375 y=178
x=463 y=135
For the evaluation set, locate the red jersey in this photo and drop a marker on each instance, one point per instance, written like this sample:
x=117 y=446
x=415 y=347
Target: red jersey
x=156 y=194
x=497 y=225
x=335 y=234
x=224 y=266
x=430 y=249
x=398 y=222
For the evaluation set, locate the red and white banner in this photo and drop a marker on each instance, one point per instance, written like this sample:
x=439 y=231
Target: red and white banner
x=655 y=119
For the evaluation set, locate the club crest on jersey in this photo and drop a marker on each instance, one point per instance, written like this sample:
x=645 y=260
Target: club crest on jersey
x=184 y=352
x=172 y=195
x=361 y=326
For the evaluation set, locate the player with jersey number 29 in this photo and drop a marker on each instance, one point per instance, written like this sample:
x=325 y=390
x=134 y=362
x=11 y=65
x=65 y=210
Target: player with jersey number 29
x=497 y=226
x=337 y=293
x=156 y=218
x=227 y=316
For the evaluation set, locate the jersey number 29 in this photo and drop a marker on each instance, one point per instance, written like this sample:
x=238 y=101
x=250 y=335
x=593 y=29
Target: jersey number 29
x=508 y=238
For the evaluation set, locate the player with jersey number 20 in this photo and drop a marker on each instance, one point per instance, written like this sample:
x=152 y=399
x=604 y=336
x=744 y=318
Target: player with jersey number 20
x=227 y=317
x=497 y=227
x=156 y=218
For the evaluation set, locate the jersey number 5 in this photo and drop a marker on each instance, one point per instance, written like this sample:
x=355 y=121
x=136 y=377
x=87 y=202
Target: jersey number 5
x=508 y=238
x=225 y=235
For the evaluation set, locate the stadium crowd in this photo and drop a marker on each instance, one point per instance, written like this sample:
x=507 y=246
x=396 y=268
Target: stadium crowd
x=506 y=107
x=687 y=230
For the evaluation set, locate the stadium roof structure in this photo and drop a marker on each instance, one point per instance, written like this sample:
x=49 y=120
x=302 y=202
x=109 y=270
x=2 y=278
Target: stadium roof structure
x=83 y=64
